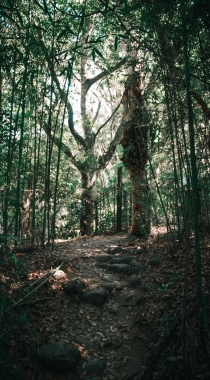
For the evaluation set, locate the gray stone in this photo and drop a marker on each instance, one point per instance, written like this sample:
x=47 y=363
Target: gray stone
x=74 y=286
x=130 y=296
x=121 y=259
x=135 y=281
x=97 y=296
x=108 y=277
x=139 y=300
x=108 y=286
x=112 y=309
x=84 y=342
x=142 y=251
x=134 y=263
x=59 y=356
x=95 y=365
x=154 y=261
x=118 y=268
x=104 y=258
x=112 y=251
x=127 y=251
x=137 y=269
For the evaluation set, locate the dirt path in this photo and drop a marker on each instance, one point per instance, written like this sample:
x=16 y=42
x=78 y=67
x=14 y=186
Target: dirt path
x=126 y=325
x=124 y=329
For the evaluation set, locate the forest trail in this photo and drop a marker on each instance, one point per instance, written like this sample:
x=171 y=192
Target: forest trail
x=126 y=325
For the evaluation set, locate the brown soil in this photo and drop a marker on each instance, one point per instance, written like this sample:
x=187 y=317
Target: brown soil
x=138 y=332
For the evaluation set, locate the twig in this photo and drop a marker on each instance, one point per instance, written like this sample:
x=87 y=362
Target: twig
x=35 y=282
x=39 y=286
x=38 y=300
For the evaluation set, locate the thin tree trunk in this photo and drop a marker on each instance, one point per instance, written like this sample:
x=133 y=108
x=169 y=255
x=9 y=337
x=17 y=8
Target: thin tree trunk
x=194 y=191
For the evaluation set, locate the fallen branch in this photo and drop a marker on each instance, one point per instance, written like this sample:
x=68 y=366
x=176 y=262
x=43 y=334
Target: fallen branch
x=35 y=301
x=39 y=286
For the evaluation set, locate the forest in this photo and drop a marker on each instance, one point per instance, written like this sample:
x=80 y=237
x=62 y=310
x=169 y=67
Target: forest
x=104 y=189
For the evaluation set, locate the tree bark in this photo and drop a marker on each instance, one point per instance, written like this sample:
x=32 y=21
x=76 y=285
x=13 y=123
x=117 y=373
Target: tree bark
x=140 y=203
x=87 y=201
x=134 y=143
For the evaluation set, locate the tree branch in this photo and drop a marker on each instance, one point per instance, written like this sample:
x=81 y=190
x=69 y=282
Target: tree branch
x=65 y=149
x=97 y=112
x=105 y=158
x=103 y=125
x=90 y=82
x=79 y=139
x=201 y=103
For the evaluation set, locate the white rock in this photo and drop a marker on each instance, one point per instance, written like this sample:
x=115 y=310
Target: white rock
x=59 y=274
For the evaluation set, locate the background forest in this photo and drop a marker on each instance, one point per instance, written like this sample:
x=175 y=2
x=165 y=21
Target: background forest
x=85 y=86
x=88 y=87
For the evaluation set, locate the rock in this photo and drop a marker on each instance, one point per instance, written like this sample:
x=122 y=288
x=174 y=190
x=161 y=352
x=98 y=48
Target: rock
x=74 y=286
x=141 y=251
x=95 y=365
x=114 y=250
x=59 y=356
x=104 y=258
x=108 y=277
x=121 y=259
x=139 y=300
x=137 y=268
x=108 y=286
x=112 y=309
x=84 y=342
x=118 y=268
x=59 y=274
x=127 y=251
x=130 y=296
x=97 y=296
x=134 y=263
x=154 y=261
x=135 y=281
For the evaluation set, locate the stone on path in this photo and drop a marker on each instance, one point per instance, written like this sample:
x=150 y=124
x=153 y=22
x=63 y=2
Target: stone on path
x=112 y=309
x=108 y=286
x=134 y=281
x=127 y=251
x=137 y=269
x=60 y=356
x=104 y=258
x=97 y=296
x=141 y=251
x=95 y=365
x=121 y=259
x=130 y=296
x=108 y=277
x=74 y=286
x=118 y=268
x=59 y=274
x=154 y=261
x=112 y=251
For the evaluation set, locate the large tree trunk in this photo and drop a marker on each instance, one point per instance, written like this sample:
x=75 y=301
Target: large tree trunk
x=87 y=199
x=140 y=203
x=134 y=143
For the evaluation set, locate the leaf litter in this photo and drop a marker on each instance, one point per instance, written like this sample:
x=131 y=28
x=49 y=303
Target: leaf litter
x=137 y=331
